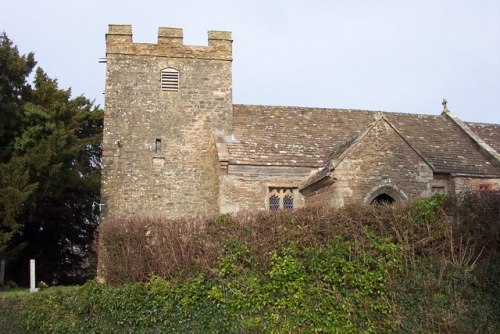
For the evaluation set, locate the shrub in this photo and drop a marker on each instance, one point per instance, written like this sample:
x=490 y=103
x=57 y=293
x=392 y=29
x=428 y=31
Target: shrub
x=9 y=319
x=425 y=266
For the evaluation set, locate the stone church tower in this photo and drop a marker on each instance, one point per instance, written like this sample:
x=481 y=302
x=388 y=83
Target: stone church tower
x=164 y=102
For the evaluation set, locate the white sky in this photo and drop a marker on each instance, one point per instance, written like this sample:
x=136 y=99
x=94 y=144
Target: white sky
x=390 y=55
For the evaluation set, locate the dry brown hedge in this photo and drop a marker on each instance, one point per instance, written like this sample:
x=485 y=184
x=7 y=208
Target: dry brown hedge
x=134 y=250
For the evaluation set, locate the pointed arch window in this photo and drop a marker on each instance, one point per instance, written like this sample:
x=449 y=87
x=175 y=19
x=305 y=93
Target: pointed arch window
x=288 y=202
x=281 y=198
x=274 y=203
x=169 y=79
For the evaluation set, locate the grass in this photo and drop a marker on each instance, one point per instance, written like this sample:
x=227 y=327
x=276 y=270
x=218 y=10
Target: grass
x=10 y=306
x=22 y=292
x=17 y=292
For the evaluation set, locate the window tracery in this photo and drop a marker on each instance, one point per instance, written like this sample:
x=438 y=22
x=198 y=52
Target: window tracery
x=281 y=198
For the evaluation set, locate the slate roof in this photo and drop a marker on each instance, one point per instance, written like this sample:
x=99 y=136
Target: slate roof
x=315 y=177
x=310 y=137
x=490 y=133
x=444 y=144
x=340 y=149
x=291 y=136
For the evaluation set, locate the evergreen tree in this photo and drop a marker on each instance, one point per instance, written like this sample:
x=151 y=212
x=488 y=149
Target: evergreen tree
x=14 y=70
x=50 y=171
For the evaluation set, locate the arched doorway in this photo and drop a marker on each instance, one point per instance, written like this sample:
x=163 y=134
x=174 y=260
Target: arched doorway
x=385 y=195
x=383 y=199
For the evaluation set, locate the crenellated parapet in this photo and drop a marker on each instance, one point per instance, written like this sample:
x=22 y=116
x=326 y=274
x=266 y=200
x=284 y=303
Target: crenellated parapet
x=170 y=44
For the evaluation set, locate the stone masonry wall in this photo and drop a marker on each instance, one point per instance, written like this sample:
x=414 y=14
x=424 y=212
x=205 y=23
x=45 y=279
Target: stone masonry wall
x=463 y=183
x=181 y=179
x=322 y=196
x=247 y=188
x=453 y=185
x=380 y=159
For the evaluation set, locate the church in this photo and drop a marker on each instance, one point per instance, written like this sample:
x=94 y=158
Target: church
x=175 y=145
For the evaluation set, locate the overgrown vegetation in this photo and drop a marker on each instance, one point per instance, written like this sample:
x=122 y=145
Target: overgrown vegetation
x=426 y=266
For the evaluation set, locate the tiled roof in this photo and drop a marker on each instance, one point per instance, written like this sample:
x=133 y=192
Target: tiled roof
x=337 y=152
x=444 y=144
x=291 y=136
x=490 y=133
x=336 y=155
x=295 y=136
x=315 y=177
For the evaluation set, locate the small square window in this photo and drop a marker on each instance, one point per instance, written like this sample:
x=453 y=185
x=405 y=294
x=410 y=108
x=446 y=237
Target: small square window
x=439 y=190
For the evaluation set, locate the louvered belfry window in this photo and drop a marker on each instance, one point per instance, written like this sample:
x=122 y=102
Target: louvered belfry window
x=170 y=79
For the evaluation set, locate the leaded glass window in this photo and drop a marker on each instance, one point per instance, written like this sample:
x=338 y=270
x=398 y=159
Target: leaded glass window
x=281 y=198
x=274 y=203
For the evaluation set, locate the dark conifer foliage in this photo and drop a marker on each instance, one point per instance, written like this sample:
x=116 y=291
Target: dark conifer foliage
x=50 y=153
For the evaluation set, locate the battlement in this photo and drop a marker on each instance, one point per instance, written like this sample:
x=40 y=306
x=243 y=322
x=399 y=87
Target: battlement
x=170 y=44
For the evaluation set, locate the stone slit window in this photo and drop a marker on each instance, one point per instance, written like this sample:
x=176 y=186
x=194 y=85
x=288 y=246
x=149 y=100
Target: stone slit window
x=281 y=198
x=169 y=79
x=158 y=146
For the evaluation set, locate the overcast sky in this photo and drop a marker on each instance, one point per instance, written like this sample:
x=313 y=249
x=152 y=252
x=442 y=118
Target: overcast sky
x=390 y=55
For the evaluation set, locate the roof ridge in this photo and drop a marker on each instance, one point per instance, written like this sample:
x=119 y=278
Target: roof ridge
x=300 y=107
x=269 y=106
x=487 y=124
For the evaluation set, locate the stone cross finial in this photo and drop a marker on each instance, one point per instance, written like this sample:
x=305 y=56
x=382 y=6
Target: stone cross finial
x=445 y=104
